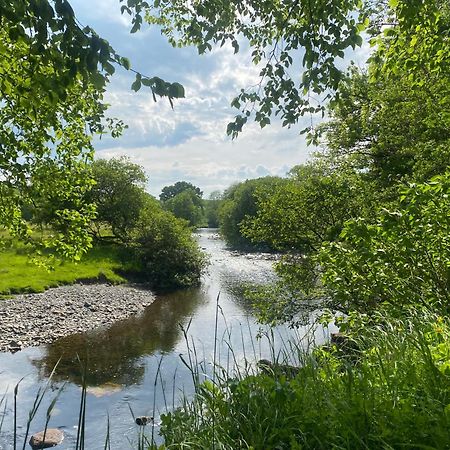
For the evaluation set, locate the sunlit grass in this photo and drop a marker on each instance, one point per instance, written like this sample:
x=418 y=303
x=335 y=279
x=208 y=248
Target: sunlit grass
x=19 y=274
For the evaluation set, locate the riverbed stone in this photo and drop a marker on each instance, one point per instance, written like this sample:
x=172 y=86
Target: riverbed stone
x=52 y=438
x=35 y=319
x=14 y=346
x=143 y=420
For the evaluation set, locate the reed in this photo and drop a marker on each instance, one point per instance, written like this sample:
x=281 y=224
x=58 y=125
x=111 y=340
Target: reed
x=388 y=388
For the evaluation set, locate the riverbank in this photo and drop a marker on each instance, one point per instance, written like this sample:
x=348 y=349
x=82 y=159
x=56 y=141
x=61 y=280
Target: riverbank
x=20 y=275
x=34 y=319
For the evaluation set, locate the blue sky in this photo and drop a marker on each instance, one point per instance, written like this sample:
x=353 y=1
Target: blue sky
x=190 y=142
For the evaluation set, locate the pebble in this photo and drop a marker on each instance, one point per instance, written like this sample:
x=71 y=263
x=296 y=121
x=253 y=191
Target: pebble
x=30 y=320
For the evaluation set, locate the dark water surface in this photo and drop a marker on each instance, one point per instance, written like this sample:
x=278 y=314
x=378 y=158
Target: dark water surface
x=123 y=359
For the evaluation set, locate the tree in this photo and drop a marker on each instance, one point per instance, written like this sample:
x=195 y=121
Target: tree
x=171 y=191
x=298 y=214
x=212 y=206
x=186 y=205
x=52 y=77
x=389 y=129
x=118 y=194
x=240 y=205
x=45 y=147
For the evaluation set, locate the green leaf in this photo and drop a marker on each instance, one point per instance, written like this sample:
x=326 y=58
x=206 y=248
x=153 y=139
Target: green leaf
x=98 y=80
x=136 y=85
x=125 y=62
x=176 y=90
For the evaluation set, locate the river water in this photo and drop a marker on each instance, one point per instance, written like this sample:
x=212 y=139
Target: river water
x=123 y=360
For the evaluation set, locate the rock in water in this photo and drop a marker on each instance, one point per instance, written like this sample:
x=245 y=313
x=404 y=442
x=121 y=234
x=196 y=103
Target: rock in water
x=143 y=420
x=53 y=437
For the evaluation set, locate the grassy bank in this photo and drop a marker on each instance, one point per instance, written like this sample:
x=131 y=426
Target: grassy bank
x=19 y=274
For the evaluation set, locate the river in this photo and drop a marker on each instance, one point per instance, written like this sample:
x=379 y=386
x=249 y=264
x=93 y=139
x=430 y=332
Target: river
x=123 y=359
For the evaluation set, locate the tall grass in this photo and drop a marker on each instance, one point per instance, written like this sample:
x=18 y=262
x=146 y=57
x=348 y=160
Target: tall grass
x=389 y=388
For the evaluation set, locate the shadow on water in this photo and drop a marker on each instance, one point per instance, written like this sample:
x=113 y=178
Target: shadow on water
x=115 y=354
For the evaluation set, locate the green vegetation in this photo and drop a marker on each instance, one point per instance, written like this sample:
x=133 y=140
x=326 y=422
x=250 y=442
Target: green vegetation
x=363 y=227
x=387 y=387
x=19 y=274
x=119 y=195
x=184 y=200
x=165 y=249
x=133 y=238
x=169 y=192
x=239 y=203
x=212 y=206
x=53 y=77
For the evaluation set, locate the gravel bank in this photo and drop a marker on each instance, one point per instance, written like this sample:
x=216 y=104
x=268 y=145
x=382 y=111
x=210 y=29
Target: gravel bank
x=34 y=319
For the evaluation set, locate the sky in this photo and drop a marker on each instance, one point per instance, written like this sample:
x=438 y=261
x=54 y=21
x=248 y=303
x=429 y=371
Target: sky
x=189 y=142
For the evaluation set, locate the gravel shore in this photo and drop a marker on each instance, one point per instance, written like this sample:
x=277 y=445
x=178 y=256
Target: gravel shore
x=34 y=319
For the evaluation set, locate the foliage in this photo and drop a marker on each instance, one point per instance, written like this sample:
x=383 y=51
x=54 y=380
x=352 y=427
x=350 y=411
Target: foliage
x=308 y=208
x=52 y=77
x=389 y=128
x=186 y=205
x=400 y=260
x=44 y=147
x=52 y=34
x=323 y=31
x=239 y=204
x=212 y=206
x=165 y=249
x=296 y=217
x=275 y=31
x=392 y=392
x=118 y=194
x=171 y=191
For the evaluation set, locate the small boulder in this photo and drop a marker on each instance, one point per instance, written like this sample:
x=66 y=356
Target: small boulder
x=143 y=420
x=53 y=437
x=14 y=346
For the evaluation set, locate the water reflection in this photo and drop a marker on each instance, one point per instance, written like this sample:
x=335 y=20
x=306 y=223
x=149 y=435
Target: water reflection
x=115 y=355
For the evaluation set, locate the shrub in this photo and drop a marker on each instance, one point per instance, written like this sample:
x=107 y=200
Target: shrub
x=400 y=260
x=165 y=248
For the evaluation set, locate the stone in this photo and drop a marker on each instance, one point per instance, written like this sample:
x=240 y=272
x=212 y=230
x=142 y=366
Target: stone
x=14 y=346
x=143 y=420
x=53 y=437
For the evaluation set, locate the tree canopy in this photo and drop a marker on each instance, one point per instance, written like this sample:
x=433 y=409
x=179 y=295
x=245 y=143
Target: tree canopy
x=118 y=194
x=53 y=73
x=409 y=37
x=171 y=191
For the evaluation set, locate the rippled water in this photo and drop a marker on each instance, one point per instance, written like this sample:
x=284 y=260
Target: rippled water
x=123 y=359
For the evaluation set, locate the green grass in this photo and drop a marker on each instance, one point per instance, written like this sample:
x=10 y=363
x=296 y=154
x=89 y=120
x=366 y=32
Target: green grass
x=19 y=274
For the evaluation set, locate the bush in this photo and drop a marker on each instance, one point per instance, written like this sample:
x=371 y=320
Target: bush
x=165 y=249
x=400 y=260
